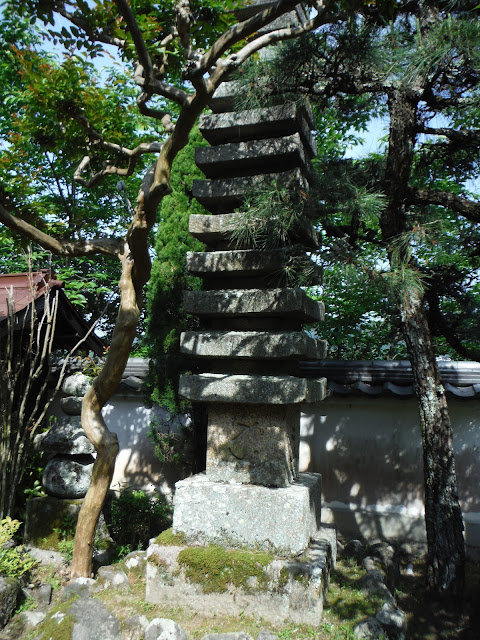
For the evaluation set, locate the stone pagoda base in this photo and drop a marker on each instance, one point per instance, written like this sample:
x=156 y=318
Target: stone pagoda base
x=276 y=589
x=279 y=519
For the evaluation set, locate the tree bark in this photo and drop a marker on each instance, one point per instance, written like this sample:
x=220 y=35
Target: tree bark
x=104 y=441
x=443 y=516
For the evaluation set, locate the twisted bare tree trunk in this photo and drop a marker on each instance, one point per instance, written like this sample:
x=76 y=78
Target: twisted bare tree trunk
x=104 y=441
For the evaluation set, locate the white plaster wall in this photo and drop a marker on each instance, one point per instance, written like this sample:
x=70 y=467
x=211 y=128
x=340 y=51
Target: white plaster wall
x=369 y=453
x=136 y=464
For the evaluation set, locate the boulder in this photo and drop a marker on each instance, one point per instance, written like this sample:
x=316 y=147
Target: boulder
x=76 y=385
x=265 y=634
x=93 y=621
x=9 y=588
x=393 y=621
x=81 y=587
x=240 y=635
x=164 y=629
x=42 y=594
x=232 y=635
x=71 y=405
x=65 y=437
x=369 y=629
x=112 y=578
x=33 y=618
x=65 y=477
x=134 y=628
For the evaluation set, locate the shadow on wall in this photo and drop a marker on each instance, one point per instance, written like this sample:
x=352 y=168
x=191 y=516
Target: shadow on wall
x=137 y=465
x=369 y=453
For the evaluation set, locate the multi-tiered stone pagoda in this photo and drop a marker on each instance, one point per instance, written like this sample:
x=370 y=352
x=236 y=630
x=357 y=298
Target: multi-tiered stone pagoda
x=249 y=345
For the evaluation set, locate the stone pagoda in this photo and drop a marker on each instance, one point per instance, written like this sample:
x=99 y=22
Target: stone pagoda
x=249 y=346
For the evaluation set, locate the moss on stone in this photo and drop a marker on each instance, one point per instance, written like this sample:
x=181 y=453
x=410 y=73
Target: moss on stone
x=52 y=628
x=215 y=568
x=169 y=539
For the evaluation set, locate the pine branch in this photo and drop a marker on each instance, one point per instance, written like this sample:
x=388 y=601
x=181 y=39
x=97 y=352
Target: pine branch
x=467 y=208
x=462 y=135
x=442 y=327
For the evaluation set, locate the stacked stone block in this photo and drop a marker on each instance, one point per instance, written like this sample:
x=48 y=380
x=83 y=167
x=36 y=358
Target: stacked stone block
x=68 y=472
x=251 y=337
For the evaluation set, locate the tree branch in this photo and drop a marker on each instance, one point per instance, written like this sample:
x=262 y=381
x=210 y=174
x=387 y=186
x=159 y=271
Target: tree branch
x=440 y=326
x=467 y=208
x=263 y=40
x=242 y=30
x=94 y=34
x=140 y=46
x=462 y=135
x=184 y=20
x=164 y=116
x=107 y=246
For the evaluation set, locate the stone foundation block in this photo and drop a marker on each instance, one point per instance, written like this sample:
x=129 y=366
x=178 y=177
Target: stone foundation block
x=282 y=520
x=278 y=589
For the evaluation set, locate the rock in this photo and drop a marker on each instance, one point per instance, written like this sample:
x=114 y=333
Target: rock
x=371 y=564
x=103 y=557
x=112 y=578
x=93 y=621
x=135 y=559
x=164 y=629
x=385 y=554
x=76 y=385
x=372 y=583
x=65 y=477
x=134 y=628
x=42 y=595
x=9 y=588
x=134 y=382
x=82 y=587
x=393 y=621
x=369 y=629
x=65 y=437
x=354 y=548
x=71 y=405
x=33 y=618
x=47 y=557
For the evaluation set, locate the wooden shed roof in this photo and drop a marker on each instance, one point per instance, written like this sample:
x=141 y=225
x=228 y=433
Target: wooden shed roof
x=19 y=290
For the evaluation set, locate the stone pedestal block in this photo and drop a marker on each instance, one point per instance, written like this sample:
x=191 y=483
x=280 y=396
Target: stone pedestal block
x=283 y=520
x=277 y=589
x=253 y=444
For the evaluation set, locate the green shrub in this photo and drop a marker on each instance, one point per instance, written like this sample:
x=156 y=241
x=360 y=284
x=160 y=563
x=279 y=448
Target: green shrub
x=14 y=561
x=136 y=516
